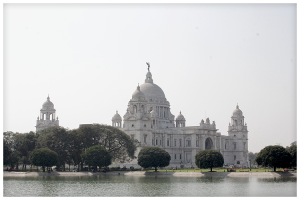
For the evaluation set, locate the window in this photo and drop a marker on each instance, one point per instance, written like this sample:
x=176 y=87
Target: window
x=180 y=143
x=152 y=141
x=197 y=143
x=132 y=125
x=244 y=145
x=234 y=157
x=144 y=125
x=234 y=146
x=188 y=143
x=175 y=156
x=225 y=145
x=168 y=142
x=175 y=143
x=159 y=142
x=145 y=139
x=156 y=142
x=179 y=156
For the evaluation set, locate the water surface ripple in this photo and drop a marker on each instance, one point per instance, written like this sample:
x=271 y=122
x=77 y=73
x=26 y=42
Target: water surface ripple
x=149 y=186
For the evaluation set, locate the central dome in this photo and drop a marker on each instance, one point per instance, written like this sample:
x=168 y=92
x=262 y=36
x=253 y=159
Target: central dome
x=152 y=90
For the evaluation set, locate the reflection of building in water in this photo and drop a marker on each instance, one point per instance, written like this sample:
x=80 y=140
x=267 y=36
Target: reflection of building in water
x=47 y=116
x=149 y=120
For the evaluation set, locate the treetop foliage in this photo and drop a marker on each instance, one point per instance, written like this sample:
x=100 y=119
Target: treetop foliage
x=209 y=159
x=43 y=157
x=69 y=144
x=153 y=157
x=97 y=156
x=274 y=156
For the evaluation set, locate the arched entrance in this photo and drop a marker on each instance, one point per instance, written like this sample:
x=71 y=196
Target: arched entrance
x=208 y=143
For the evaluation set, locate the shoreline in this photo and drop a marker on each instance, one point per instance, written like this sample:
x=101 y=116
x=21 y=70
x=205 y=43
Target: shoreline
x=139 y=173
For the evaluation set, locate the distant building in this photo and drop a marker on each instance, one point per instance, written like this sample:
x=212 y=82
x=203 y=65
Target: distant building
x=149 y=120
x=47 y=116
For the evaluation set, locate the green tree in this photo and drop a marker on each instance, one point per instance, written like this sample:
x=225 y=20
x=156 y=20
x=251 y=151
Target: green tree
x=209 y=159
x=274 y=156
x=24 y=144
x=153 y=157
x=97 y=156
x=43 y=157
x=119 y=145
x=57 y=139
x=293 y=151
x=9 y=158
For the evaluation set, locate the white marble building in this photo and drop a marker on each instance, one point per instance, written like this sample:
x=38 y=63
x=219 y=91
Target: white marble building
x=47 y=116
x=149 y=120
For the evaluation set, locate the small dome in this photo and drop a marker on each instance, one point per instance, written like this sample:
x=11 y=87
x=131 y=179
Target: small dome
x=116 y=117
x=48 y=104
x=237 y=111
x=138 y=94
x=180 y=117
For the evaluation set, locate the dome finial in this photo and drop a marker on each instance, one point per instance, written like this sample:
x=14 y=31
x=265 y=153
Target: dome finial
x=138 y=87
x=48 y=98
x=148 y=65
x=237 y=105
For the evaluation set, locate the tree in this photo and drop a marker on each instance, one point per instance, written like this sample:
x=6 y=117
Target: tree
x=57 y=139
x=293 y=151
x=119 y=145
x=9 y=157
x=153 y=157
x=43 y=157
x=24 y=143
x=209 y=159
x=97 y=156
x=273 y=156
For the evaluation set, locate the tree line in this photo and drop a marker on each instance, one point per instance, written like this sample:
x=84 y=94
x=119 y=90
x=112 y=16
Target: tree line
x=69 y=145
x=99 y=145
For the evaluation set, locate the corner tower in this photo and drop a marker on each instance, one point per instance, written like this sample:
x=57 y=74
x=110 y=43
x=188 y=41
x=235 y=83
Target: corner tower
x=238 y=133
x=47 y=116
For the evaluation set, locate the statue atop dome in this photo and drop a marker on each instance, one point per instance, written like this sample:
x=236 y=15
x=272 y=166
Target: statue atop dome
x=148 y=65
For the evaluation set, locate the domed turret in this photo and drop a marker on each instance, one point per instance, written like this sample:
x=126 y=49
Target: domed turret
x=180 y=120
x=48 y=105
x=138 y=94
x=116 y=120
x=237 y=111
x=47 y=116
x=180 y=117
x=237 y=118
x=116 y=116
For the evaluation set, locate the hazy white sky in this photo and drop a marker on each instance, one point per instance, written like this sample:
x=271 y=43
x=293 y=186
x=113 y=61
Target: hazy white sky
x=206 y=57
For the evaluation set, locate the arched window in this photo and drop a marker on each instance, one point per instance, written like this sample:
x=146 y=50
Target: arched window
x=134 y=109
x=208 y=143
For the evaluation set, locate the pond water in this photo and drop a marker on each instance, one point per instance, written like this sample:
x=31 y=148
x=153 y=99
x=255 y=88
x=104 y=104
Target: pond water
x=148 y=186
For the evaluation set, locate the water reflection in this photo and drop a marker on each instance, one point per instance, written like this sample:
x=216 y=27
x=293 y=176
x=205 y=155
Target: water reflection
x=144 y=186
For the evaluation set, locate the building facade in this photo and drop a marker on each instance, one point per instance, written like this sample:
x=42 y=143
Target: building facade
x=148 y=119
x=47 y=116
